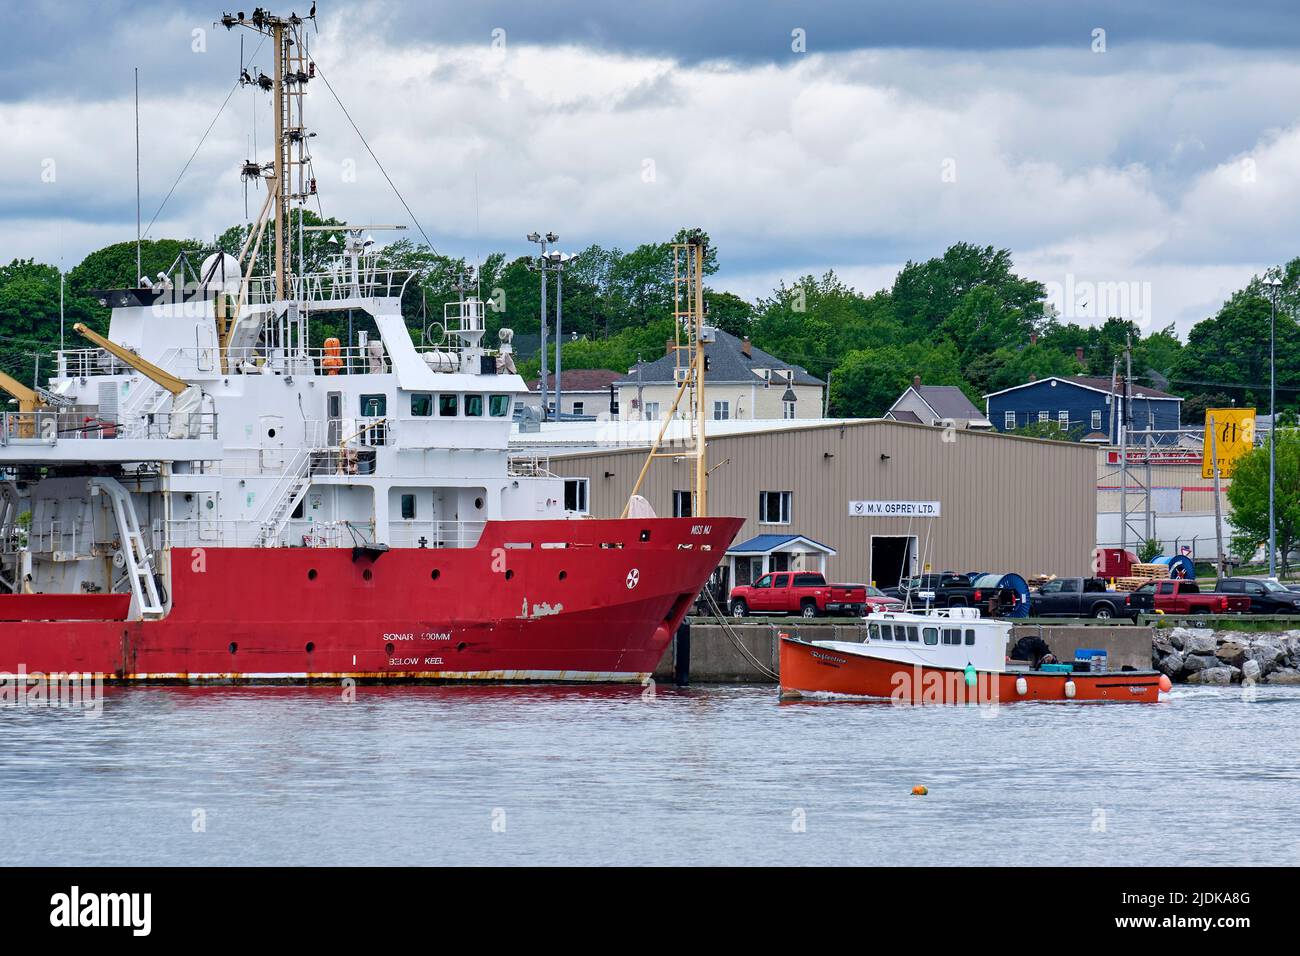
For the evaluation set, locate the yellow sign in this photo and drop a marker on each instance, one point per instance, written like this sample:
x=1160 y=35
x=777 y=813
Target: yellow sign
x=1234 y=435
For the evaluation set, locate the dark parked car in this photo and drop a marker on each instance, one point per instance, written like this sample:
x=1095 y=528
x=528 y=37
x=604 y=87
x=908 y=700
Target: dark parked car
x=1266 y=596
x=1079 y=597
x=953 y=590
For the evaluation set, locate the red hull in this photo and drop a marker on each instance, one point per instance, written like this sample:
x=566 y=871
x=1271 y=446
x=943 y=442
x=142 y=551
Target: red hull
x=809 y=669
x=535 y=600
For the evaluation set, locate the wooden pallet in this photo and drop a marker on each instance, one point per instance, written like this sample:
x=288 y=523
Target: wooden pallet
x=1149 y=572
x=1130 y=584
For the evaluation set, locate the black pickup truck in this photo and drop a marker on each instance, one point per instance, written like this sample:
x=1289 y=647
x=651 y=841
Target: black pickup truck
x=1266 y=596
x=1079 y=597
x=948 y=589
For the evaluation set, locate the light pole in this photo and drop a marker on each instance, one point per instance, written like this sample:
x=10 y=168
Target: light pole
x=550 y=237
x=1274 y=284
x=556 y=262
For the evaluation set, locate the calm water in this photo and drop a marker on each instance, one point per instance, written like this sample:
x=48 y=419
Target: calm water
x=599 y=775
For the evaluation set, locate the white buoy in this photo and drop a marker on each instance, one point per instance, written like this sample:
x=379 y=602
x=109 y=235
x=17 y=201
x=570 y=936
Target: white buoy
x=1022 y=686
x=1069 y=690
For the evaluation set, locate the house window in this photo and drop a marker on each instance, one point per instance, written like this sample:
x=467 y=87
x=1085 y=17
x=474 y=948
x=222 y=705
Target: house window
x=1043 y=416
x=652 y=411
x=774 y=507
x=681 y=504
x=575 y=495
x=1096 y=419
x=788 y=409
x=474 y=405
x=1063 y=419
x=721 y=411
x=448 y=406
x=408 y=506
x=577 y=408
x=1009 y=421
x=421 y=404
x=499 y=406
x=374 y=406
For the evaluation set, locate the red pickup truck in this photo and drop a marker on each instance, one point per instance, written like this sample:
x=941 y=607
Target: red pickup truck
x=797 y=592
x=1184 y=597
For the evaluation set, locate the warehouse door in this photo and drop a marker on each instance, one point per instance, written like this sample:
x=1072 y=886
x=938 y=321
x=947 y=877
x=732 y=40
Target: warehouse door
x=893 y=557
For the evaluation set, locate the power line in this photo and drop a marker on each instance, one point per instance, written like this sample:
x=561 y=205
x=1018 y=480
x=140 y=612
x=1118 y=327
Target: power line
x=396 y=191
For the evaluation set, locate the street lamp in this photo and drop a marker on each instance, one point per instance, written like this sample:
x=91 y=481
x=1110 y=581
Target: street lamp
x=1274 y=284
x=555 y=263
x=541 y=240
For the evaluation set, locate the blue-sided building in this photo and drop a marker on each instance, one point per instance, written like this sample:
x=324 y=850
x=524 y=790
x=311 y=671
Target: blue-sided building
x=1082 y=406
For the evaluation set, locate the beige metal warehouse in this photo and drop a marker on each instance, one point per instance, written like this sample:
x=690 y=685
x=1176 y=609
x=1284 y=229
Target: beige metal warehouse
x=1006 y=503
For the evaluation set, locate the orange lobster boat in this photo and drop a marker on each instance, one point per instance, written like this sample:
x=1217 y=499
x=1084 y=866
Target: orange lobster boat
x=948 y=656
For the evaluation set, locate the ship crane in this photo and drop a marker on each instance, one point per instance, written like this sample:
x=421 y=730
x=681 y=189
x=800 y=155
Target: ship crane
x=186 y=398
x=30 y=402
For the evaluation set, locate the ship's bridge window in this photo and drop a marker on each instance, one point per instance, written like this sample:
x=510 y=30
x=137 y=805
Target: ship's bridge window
x=970 y=636
x=448 y=406
x=952 y=635
x=874 y=630
x=499 y=406
x=474 y=406
x=374 y=406
x=931 y=635
x=421 y=404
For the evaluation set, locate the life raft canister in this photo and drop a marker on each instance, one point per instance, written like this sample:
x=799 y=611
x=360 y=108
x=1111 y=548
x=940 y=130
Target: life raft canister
x=332 y=362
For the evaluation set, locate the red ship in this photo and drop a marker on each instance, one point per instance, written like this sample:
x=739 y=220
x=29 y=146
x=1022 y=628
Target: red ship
x=210 y=492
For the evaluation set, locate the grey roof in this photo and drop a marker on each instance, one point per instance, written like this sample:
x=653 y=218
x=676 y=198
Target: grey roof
x=903 y=415
x=727 y=363
x=948 y=401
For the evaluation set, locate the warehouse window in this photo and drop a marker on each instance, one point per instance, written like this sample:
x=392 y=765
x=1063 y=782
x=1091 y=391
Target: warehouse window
x=774 y=507
x=1096 y=419
x=681 y=504
x=1009 y=421
x=575 y=495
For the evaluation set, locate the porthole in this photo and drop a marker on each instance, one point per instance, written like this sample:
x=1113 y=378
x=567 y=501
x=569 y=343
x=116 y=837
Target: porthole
x=478 y=503
x=435 y=574
x=367 y=574
x=270 y=433
x=563 y=575
x=311 y=646
x=509 y=573
x=461 y=646
x=311 y=574
x=233 y=647
x=388 y=649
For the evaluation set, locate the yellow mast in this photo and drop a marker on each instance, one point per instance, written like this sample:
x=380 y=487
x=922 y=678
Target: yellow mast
x=688 y=347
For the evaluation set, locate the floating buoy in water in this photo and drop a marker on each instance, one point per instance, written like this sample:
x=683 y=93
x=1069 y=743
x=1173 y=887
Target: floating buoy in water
x=1022 y=686
x=919 y=791
x=970 y=676
x=1166 y=684
x=1069 y=690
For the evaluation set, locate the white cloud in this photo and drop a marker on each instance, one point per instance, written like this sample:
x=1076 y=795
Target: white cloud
x=1116 y=167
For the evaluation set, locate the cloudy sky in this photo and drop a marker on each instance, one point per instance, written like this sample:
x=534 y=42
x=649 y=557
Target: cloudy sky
x=1156 y=148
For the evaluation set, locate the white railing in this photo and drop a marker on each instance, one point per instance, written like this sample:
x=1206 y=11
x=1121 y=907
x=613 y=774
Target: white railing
x=435 y=534
x=367 y=281
x=305 y=533
x=524 y=466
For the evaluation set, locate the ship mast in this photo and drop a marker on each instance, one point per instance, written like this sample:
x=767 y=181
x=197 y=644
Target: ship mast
x=690 y=337
x=287 y=175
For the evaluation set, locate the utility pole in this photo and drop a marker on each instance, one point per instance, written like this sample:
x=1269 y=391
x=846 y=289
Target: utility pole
x=1273 y=284
x=137 y=178
x=1218 y=511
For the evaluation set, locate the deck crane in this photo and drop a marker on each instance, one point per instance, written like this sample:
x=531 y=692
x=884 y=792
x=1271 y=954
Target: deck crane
x=186 y=398
x=30 y=402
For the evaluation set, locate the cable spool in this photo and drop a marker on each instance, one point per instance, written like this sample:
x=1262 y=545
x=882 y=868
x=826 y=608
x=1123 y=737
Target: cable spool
x=119 y=559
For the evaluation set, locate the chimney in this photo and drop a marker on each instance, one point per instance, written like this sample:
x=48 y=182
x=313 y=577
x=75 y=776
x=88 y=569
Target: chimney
x=668 y=346
x=746 y=347
x=916 y=381
x=1033 y=338
x=1078 y=354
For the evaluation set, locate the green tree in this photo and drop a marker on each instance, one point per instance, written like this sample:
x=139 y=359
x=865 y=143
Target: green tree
x=1248 y=497
x=868 y=381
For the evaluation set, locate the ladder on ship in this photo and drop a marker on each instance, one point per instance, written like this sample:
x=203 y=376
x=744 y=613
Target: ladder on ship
x=138 y=560
x=285 y=497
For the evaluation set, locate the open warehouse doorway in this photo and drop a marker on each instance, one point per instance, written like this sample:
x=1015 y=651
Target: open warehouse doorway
x=893 y=558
